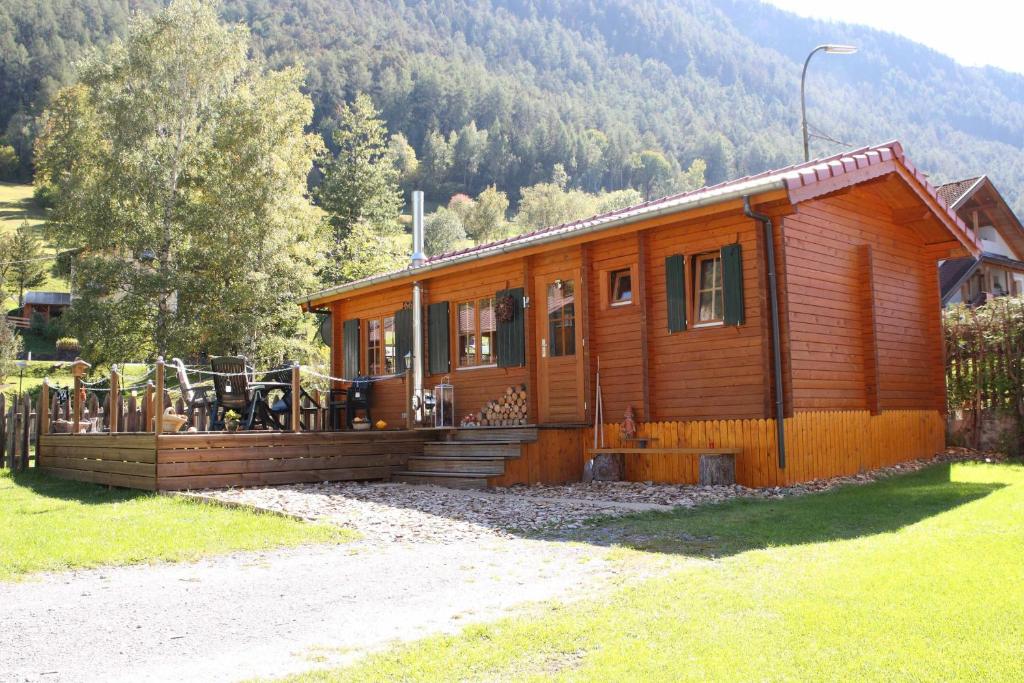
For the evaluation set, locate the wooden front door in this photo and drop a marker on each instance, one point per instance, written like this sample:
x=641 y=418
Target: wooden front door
x=560 y=348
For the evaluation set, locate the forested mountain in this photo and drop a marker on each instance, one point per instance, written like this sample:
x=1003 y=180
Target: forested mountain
x=499 y=91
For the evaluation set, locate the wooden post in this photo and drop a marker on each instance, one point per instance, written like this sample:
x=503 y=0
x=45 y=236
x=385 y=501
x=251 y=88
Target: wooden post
x=78 y=370
x=115 y=400
x=3 y=431
x=158 y=417
x=408 y=400
x=76 y=404
x=296 y=398
x=131 y=421
x=12 y=437
x=26 y=425
x=147 y=408
x=44 y=413
x=318 y=420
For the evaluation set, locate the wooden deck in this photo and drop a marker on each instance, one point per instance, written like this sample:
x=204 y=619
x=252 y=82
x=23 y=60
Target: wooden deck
x=169 y=462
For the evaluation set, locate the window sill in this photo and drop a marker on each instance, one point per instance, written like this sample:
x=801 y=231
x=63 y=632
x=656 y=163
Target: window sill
x=717 y=323
x=619 y=304
x=476 y=367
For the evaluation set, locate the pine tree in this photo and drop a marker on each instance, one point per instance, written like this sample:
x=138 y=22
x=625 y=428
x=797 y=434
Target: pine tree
x=361 y=181
x=28 y=267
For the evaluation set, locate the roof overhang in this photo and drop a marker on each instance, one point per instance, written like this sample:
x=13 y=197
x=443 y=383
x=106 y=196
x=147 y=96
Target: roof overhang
x=685 y=204
x=866 y=165
x=796 y=184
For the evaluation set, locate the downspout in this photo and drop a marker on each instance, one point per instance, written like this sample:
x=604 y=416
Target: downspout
x=773 y=302
x=418 y=257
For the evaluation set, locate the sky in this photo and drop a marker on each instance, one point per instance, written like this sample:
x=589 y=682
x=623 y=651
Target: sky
x=975 y=33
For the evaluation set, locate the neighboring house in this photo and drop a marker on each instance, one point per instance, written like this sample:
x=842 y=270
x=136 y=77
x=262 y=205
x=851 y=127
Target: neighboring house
x=673 y=299
x=999 y=269
x=47 y=304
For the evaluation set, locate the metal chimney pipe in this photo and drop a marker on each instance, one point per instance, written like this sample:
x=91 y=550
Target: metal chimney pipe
x=417 y=308
x=418 y=257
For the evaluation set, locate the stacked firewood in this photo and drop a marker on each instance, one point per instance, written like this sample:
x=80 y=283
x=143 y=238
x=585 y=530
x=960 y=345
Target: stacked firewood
x=508 y=410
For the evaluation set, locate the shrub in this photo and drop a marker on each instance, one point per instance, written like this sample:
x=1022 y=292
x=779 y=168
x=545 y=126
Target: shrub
x=44 y=195
x=37 y=323
x=10 y=347
x=68 y=348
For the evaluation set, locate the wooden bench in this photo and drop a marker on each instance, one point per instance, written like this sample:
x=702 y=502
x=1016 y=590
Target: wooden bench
x=717 y=465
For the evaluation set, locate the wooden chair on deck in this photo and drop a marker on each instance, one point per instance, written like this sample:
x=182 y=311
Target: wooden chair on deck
x=194 y=397
x=235 y=391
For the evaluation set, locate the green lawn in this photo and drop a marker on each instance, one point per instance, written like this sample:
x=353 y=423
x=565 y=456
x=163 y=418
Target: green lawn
x=50 y=524
x=16 y=206
x=59 y=373
x=919 y=577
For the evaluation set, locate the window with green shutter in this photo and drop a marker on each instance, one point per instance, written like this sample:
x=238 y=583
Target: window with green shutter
x=350 y=348
x=511 y=342
x=403 y=337
x=675 y=290
x=438 y=341
x=732 y=282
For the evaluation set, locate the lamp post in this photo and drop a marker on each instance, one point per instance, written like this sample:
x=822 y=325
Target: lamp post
x=831 y=49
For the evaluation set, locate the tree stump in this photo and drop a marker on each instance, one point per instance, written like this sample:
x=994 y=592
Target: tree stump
x=717 y=469
x=607 y=467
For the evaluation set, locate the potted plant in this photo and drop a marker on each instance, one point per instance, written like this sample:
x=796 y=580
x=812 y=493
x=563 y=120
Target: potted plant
x=360 y=424
x=232 y=421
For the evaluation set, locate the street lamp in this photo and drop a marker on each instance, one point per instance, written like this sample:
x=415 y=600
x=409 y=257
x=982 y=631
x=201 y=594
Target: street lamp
x=829 y=48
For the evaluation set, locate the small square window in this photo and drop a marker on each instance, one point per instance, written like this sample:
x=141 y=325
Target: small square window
x=621 y=287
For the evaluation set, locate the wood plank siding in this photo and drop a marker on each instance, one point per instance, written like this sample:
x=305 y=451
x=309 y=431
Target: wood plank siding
x=860 y=333
x=171 y=462
x=835 y=342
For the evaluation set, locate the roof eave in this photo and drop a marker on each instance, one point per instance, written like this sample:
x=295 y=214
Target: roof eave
x=757 y=187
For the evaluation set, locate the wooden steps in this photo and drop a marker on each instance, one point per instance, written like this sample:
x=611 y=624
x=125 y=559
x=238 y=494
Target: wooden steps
x=450 y=480
x=527 y=434
x=470 y=449
x=468 y=458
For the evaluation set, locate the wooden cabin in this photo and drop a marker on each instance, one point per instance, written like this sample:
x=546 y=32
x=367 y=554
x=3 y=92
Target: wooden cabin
x=999 y=269
x=47 y=304
x=674 y=300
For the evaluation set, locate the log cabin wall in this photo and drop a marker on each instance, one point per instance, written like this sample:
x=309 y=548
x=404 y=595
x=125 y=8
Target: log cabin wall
x=863 y=312
x=388 y=397
x=475 y=386
x=717 y=372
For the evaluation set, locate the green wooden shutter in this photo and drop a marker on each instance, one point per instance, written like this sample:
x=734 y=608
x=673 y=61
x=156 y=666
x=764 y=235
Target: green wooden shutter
x=350 y=348
x=403 y=337
x=438 y=341
x=675 y=290
x=512 y=333
x=732 y=284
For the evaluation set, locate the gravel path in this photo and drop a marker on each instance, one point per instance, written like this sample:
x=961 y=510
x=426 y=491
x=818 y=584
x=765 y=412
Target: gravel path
x=431 y=560
x=269 y=614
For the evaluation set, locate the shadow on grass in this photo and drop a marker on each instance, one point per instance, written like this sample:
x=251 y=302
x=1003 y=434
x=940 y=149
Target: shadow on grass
x=77 y=491
x=749 y=524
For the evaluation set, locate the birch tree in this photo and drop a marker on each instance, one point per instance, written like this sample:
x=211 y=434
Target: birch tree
x=179 y=166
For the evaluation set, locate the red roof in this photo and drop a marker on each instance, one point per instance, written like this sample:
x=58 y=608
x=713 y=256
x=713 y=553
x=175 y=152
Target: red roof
x=801 y=181
x=952 y=192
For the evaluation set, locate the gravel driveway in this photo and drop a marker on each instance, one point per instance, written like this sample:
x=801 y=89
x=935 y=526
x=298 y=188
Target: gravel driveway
x=430 y=560
x=273 y=613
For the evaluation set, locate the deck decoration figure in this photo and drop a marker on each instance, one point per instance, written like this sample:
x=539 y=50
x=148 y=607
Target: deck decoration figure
x=629 y=424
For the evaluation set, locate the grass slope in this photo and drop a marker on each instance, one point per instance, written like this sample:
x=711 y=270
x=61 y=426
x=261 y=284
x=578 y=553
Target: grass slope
x=17 y=206
x=51 y=525
x=918 y=577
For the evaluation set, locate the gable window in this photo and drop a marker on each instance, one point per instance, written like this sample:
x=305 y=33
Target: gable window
x=380 y=346
x=477 y=327
x=709 y=299
x=621 y=287
x=561 y=307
